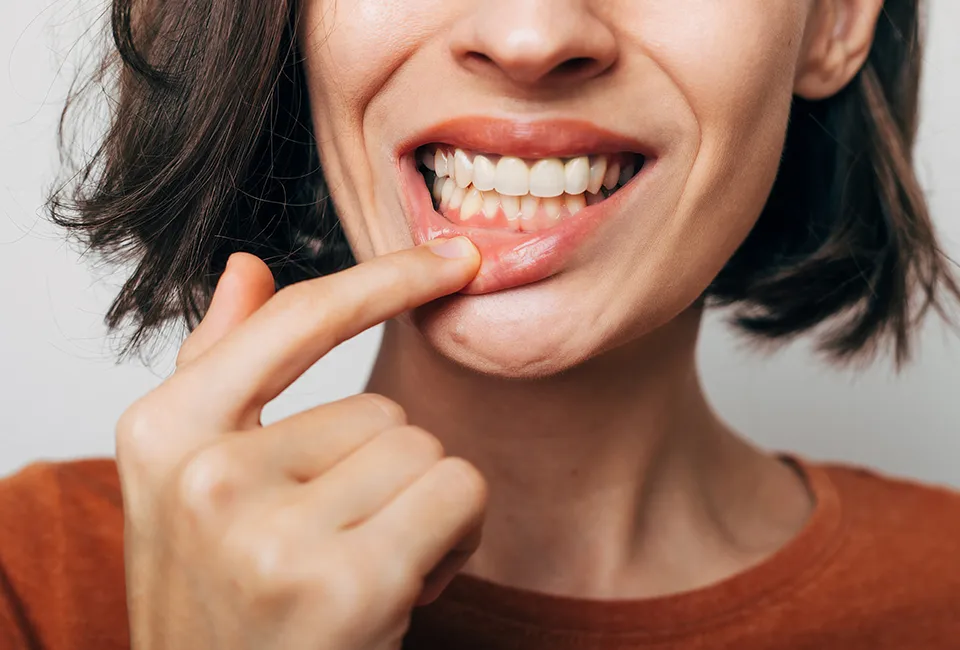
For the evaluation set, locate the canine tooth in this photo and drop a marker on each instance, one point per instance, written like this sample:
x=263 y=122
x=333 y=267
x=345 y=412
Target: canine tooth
x=528 y=206
x=510 y=206
x=577 y=175
x=546 y=178
x=575 y=203
x=593 y=198
x=598 y=169
x=438 y=188
x=484 y=173
x=446 y=192
x=440 y=163
x=626 y=173
x=552 y=206
x=612 y=176
x=491 y=203
x=428 y=160
x=471 y=204
x=456 y=199
x=463 y=168
x=512 y=177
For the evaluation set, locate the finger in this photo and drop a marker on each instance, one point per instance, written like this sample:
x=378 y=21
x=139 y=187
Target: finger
x=245 y=285
x=258 y=359
x=307 y=444
x=439 y=514
x=369 y=478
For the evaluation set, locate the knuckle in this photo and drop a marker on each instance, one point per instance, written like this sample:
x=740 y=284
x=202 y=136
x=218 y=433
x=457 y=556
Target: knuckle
x=209 y=481
x=463 y=477
x=416 y=442
x=394 y=412
x=136 y=434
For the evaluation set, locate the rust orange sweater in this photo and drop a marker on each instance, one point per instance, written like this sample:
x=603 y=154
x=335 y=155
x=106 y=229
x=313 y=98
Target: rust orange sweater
x=877 y=567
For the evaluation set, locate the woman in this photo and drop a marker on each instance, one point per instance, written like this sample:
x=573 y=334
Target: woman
x=543 y=198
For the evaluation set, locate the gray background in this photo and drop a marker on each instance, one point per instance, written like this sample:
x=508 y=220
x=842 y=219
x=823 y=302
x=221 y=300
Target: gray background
x=61 y=391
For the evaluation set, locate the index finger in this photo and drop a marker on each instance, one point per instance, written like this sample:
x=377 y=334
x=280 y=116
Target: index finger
x=301 y=323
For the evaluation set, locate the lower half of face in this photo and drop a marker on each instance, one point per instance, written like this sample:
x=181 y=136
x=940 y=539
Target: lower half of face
x=606 y=157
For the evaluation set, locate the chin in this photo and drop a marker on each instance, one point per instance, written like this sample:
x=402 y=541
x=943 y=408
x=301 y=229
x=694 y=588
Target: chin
x=538 y=330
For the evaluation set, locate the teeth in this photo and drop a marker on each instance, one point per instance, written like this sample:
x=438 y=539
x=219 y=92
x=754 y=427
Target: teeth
x=429 y=160
x=446 y=193
x=553 y=206
x=575 y=203
x=471 y=204
x=484 y=173
x=598 y=169
x=491 y=203
x=475 y=183
x=512 y=177
x=463 y=168
x=440 y=163
x=456 y=199
x=547 y=178
x=612 y=177
x=577 y=175
x=510 y=206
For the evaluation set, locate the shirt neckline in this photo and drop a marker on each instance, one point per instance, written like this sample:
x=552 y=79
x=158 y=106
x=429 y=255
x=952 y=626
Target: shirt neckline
x=471 y=597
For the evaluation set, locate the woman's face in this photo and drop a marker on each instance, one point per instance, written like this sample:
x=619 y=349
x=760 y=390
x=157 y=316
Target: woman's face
x=607 y=156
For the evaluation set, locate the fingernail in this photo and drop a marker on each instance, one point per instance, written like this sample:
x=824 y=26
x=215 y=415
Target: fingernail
x=455 y=248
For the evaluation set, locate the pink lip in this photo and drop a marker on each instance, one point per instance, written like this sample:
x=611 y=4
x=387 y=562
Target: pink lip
x=512 y=259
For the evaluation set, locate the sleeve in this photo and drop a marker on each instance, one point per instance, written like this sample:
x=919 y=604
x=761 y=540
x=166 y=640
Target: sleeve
x=14 y=632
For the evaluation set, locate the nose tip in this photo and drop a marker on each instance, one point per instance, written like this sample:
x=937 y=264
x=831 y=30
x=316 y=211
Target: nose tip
x=534 y=42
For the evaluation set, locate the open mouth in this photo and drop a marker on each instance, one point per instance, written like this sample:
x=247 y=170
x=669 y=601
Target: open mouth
x=490 y=191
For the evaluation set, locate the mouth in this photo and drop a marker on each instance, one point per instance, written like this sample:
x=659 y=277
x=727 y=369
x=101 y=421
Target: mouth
x=491 y=191
x=528 y=195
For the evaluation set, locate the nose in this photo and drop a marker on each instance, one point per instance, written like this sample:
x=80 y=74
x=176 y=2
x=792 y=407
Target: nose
x=534 y=42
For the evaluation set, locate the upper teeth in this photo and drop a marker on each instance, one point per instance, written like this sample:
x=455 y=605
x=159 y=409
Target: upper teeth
x=544 y=178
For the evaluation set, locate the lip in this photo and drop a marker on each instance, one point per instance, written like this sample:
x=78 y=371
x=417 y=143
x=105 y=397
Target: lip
x=512 y=259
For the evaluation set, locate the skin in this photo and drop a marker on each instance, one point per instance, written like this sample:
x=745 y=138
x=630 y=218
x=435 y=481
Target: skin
x=527 y=422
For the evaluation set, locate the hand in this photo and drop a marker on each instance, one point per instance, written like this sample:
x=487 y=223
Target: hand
x=321 y=531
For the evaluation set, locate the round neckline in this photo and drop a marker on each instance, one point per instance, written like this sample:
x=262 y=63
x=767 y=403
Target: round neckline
x=797 y=561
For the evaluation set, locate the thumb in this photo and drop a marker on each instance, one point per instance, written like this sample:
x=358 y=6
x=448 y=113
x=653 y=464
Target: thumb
x=246 y=284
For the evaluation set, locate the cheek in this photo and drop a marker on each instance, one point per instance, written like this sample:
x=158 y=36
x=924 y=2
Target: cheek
x=734 y=62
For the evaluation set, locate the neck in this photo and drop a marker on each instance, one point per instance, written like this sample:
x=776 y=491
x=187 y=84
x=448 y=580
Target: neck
x=600 y=477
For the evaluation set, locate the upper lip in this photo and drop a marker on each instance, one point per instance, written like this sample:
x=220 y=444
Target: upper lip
x=526 y=138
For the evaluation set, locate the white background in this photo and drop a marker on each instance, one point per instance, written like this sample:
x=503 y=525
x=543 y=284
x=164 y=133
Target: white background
x=61 y=391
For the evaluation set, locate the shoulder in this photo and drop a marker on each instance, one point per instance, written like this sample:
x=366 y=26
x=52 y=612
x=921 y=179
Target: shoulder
x=900 y=546
x=61 y=556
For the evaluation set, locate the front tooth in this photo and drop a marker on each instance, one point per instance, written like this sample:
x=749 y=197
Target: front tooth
x=546 y=178
x=440 y=163
x=626 y=174
x=512 y=177
x=577 y=175
x=484 y=173
x=471 y=204
x=612 y=176
x=456 y=199
x=528 y=206
x=553 y=206
x=463 y=168
x=575 y=203
x=598 y=169
x=510 y=206
x=491 y=203
x=446 y=193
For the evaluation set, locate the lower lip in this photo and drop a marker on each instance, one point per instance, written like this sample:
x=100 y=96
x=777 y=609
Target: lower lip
x=510 y=259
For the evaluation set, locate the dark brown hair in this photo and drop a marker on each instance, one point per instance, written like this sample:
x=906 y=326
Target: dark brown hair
x=210 y=151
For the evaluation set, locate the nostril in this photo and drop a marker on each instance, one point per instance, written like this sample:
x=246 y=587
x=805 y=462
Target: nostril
x=576 y=65
x=478 y=57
